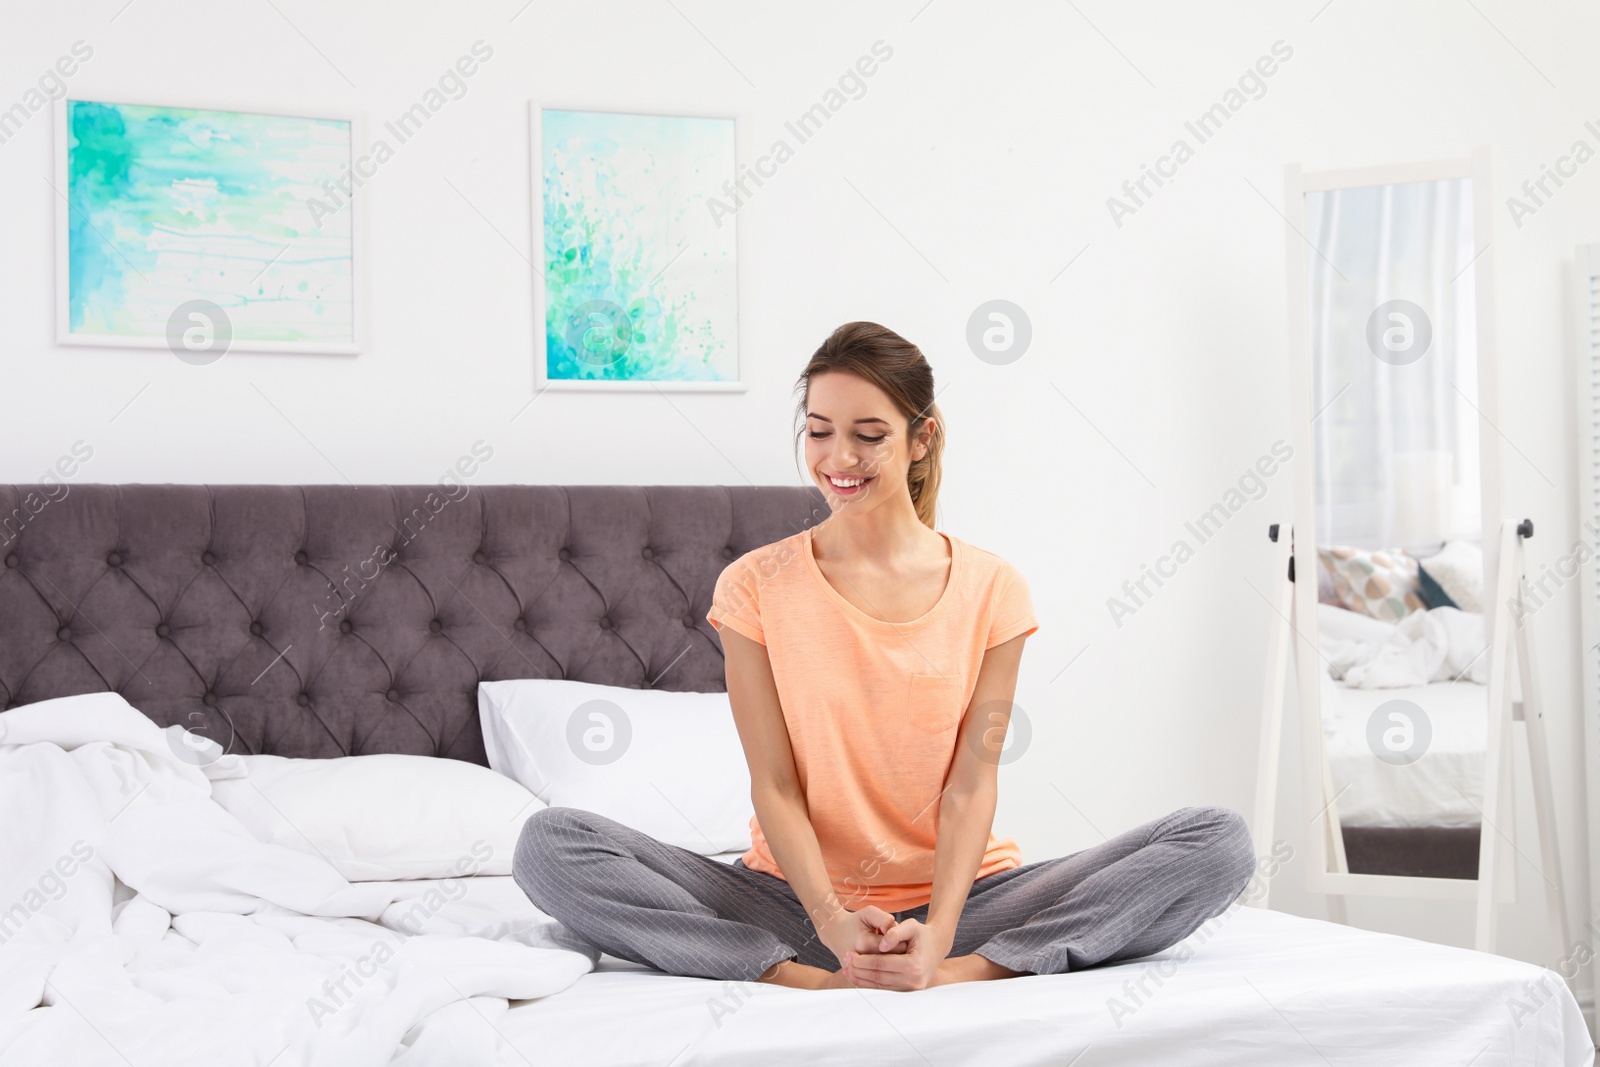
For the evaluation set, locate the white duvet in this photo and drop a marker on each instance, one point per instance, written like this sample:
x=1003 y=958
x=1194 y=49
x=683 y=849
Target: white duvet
x=1438 y=645
x=141 y=923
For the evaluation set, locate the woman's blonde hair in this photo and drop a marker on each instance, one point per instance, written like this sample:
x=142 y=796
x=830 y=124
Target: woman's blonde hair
x=895 y=365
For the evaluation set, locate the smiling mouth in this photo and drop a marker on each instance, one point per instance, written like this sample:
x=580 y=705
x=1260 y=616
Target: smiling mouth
x=849 y=486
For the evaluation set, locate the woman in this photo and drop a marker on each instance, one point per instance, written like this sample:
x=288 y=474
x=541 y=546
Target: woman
x=871 y=663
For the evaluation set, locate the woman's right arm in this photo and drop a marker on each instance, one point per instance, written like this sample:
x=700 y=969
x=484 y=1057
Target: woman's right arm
x=780 y=802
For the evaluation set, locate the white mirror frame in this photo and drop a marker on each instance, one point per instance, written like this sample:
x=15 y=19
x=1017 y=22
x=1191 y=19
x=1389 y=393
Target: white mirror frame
x=1325 y=837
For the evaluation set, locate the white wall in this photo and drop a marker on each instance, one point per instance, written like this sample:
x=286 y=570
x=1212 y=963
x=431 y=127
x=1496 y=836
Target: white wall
x=977 y=165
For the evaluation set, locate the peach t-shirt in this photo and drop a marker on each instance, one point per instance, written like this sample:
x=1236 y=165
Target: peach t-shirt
x=873 y=707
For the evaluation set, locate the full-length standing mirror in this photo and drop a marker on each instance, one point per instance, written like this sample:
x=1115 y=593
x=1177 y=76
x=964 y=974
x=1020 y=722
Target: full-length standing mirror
x=1397 y=521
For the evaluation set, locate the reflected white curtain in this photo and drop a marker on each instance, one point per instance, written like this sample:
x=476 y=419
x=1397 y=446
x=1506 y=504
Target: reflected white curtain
x=1396 y=445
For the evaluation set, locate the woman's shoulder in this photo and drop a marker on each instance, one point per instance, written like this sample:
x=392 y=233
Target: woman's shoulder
x=768 y=561
x=751 y=579
x=992 y=579
x=986 y=565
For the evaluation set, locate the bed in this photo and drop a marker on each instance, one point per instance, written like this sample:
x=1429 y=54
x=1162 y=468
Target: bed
x=1421 y=818
x=320 y=622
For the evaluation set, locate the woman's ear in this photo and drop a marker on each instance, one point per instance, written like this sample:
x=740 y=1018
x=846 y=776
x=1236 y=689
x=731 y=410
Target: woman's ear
x=920 y=440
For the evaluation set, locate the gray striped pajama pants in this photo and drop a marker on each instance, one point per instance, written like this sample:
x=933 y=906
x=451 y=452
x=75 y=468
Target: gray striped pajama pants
x=665 y=906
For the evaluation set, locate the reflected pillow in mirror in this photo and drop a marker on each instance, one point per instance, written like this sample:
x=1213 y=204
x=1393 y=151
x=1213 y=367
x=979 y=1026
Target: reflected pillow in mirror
x=1326 y=593
x=1457 y=570
x=1381 y=583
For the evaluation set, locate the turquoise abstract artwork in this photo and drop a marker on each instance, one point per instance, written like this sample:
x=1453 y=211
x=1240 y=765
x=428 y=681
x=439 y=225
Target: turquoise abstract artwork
x=166 y=207
x=639 y=267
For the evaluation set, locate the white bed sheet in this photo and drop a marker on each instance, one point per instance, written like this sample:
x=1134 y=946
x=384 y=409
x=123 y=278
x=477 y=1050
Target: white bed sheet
x=1443 y=788
x=1252 y=988
x=228 y=950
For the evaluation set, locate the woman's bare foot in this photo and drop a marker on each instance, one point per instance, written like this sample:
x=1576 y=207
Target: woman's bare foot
x=799 y=976
x=973 y=968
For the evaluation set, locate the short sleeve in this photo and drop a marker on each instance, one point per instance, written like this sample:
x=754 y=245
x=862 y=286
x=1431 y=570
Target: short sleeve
x=1011 y=613
x=736 y=601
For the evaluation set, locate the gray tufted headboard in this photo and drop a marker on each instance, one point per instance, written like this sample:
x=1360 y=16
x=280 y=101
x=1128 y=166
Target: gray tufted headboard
x=328 y=620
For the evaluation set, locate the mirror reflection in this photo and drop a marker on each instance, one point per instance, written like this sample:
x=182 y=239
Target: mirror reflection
x=1399 y=529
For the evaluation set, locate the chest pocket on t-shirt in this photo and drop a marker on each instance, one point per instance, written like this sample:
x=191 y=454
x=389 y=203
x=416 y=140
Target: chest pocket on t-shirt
x=933 y=702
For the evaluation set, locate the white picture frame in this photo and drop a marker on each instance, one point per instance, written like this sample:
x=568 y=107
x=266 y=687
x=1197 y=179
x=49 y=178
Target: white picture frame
x=542 y=356
x=354 y=204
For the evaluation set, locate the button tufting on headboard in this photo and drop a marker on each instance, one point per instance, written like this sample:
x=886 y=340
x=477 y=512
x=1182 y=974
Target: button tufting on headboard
x=289 y=619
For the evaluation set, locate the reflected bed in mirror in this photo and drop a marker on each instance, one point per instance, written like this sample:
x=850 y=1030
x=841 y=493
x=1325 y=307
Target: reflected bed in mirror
x=1399 y=524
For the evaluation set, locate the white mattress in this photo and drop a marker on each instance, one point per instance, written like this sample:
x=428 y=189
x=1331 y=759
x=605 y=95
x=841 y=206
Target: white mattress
x=1254 y=987
x=1443 y=788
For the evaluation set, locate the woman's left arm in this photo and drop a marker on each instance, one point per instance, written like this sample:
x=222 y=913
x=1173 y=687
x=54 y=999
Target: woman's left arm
x=966 y=817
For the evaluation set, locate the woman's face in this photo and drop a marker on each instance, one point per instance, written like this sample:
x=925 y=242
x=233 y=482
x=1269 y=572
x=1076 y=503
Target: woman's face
x=857 y=447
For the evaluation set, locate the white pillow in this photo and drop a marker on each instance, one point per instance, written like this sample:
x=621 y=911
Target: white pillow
x=1458 y=568
x=667 y=764
x=383 y=817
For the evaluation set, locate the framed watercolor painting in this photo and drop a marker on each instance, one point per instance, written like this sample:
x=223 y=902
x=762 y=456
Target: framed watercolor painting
x=239 y=229
x=638 y=273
